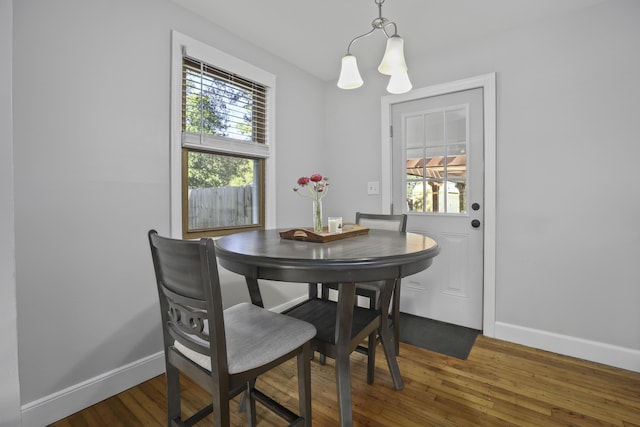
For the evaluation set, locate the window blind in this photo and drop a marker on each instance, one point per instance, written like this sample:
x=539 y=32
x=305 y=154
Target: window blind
x=223 y=110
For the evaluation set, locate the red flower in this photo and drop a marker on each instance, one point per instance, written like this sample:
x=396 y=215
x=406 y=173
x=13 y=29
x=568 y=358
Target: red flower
x=316 y=186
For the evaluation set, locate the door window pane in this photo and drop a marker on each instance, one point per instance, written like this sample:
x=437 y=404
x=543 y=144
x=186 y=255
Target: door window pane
x=434 y=123
x=414 y=131
x=436 y=173
x=456 y=125
x=415 y=164
x=457 y=178
x=414 y=176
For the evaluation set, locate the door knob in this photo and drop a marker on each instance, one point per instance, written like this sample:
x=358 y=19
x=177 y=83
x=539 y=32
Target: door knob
x=475 y=223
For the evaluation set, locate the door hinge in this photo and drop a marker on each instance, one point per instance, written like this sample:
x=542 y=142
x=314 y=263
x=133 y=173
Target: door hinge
x=390 y=131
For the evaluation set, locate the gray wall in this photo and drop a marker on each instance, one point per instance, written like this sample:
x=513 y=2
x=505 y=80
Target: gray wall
x=568 y=237
x=91 y=148
x=9 y=386
x=91 y=142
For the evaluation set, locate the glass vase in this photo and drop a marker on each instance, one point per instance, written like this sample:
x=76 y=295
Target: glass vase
x=317 y=216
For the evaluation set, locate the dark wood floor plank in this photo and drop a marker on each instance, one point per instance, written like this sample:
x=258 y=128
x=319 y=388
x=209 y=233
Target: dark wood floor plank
x=500 y=384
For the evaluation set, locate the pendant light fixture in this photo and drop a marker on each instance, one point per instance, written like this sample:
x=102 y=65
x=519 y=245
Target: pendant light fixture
x=392 y=64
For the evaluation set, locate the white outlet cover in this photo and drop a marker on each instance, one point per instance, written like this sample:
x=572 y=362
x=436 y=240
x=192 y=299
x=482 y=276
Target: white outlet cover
x=373 y=187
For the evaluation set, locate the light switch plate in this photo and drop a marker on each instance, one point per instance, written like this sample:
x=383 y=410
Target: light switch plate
x=373 y=187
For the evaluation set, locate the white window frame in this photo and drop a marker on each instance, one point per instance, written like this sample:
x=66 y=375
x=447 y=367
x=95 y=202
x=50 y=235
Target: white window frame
x=195 y=49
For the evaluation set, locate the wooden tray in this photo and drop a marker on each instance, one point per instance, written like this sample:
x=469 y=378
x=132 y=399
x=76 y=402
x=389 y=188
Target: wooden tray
x=349 y=229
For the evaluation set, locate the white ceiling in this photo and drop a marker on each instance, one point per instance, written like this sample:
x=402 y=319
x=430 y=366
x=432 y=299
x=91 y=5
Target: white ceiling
x=314 y=35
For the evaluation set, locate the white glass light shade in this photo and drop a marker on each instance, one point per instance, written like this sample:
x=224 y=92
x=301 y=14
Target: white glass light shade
x=399 y=83
x=349 y=74
x=393 y=59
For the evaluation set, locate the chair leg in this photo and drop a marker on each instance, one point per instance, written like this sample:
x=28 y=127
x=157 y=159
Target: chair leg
x=374 y=304
x=250 y=404
x=304 y=384
x=371 y=357
x=173 y=394
x=221 y=408
x=242 y=405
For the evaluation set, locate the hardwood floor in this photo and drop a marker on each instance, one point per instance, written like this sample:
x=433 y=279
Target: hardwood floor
x=500 y=384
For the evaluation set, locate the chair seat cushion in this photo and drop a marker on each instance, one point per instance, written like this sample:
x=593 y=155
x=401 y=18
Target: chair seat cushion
x=255 y=337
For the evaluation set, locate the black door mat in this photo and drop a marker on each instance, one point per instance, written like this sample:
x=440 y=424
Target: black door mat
x=433 y=335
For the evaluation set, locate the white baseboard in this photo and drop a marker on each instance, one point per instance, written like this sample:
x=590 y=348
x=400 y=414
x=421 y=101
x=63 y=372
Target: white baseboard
x=287 y=305
x=65 y=402
x=594 y=351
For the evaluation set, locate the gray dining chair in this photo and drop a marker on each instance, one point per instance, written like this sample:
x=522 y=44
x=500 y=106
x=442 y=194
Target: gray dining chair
x=372 y=290
x=224 y=351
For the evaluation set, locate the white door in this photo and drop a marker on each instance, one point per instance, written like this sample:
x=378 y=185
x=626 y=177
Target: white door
x=438 y=180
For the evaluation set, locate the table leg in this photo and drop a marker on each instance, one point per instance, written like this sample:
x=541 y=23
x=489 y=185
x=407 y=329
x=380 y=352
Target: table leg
x=313 y=290
x=395 y=312
x=344 y=320
x=254 y=291
x=387 y=338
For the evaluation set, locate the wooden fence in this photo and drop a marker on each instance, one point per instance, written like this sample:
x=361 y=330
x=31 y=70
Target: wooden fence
x=220 y=207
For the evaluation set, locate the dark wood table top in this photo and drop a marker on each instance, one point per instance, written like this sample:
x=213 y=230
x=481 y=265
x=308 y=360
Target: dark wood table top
x=377 y=255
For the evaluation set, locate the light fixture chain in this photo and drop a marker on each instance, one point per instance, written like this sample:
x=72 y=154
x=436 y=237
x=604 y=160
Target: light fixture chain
x=379 y=3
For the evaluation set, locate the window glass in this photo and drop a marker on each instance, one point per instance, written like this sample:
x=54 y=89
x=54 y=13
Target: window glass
x=222 y=183
x=436 y=161
x=415 y=131
x=221 y=191
x=222 y=104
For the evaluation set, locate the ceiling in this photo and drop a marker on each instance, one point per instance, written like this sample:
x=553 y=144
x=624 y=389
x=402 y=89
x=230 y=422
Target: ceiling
x=314 y=35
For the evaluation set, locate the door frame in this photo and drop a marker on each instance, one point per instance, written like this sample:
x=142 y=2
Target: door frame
x=488 y=83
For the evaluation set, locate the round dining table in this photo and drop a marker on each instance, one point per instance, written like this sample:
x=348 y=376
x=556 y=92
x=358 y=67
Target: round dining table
x=373 y=256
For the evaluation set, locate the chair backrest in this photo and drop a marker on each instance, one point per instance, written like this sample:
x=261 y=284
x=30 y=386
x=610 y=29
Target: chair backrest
x=382 y=221
x=190 y=296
